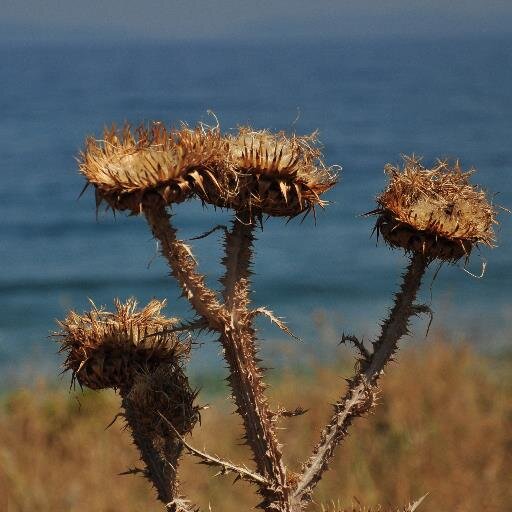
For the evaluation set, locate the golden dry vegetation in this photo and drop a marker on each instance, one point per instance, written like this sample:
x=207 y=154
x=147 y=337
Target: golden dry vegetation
x=443 y=426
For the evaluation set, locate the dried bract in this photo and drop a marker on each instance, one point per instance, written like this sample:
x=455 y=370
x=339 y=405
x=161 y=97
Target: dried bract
x=436 y=212
x=167 y=392
x=108 y=349
x=276 y=174
x=158 y=399
x=129 y=170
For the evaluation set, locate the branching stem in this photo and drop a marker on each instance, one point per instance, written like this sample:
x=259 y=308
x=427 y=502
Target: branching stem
x=237 y=260
x=238 y=341
x=233 y=321
x=212 y=460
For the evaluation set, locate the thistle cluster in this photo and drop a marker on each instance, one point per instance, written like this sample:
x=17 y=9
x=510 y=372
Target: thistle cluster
x=429 y=213
x=264 y=173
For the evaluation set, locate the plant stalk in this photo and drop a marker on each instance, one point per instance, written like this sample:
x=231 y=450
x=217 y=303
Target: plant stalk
x=234 y=324
x=239 y=343
x=158 y=470
x=362 y=387
x=183 y=266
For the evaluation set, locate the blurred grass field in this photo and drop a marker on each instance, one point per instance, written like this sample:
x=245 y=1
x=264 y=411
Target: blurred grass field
x=443 y=427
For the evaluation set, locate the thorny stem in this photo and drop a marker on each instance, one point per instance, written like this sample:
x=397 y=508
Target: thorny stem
x=158 y=470
x=245 y=379
x=238 y=245
x=212 y=460
x=233 y=322
x=183 y=266
x=360 y=395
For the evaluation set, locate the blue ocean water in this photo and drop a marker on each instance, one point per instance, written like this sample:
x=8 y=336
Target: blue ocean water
x=371 y=101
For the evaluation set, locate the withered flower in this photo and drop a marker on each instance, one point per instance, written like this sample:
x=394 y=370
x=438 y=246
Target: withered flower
x=108 y=349
x=167 y=392
x=276 y=174
x=435 y=212
x=130 y=170
x=159 y=408
x=258 y=171
x=137 y=353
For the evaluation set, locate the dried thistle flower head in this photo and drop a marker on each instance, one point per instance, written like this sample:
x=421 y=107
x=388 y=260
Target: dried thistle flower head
x=276 y=175
x=436 y=212
x=108 y=349
x=160 y=409
x=166 y=391
x=129 y=170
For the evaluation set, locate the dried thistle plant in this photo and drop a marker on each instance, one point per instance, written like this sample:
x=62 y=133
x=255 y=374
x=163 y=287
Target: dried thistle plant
x=430 y=213
x=107 y=349
x=137 y=352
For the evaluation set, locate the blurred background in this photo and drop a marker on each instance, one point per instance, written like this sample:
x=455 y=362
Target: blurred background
x=376 y=79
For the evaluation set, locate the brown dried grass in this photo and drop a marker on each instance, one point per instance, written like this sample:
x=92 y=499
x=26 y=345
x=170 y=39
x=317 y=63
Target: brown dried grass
x=337 y=507
x=443 y=427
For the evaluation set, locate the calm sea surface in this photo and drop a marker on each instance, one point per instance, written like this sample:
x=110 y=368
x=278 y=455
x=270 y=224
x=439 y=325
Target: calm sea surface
x=370 y=102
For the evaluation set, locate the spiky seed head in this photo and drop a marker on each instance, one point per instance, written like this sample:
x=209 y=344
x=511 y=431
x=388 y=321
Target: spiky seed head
x=108 y=349
x=129 y=170
x=159 y=409
x=165 y=390
x=276 y=174
x=436 y=212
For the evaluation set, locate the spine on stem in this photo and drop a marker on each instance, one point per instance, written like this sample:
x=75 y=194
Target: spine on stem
x=362 y=387
x=245 y=379
x=183 y=266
